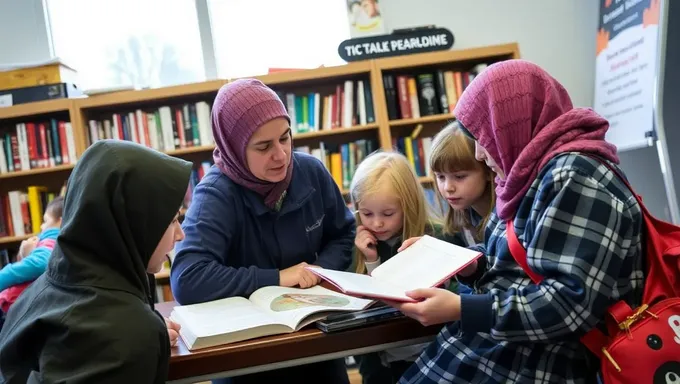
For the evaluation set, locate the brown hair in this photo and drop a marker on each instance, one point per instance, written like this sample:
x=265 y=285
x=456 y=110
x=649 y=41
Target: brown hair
x=55 y=208
x=453 y=151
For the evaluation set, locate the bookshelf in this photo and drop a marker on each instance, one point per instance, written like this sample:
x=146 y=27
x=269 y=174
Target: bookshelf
x=367 y=127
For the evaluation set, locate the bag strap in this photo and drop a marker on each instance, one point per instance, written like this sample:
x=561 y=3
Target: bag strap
x=519 y=253
x=595 y=339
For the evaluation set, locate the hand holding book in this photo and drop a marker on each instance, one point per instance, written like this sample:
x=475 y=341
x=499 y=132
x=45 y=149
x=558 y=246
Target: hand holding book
x=432 y=306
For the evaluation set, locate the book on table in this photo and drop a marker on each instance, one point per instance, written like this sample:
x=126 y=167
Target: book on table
x=427 y=263
x=268 y=311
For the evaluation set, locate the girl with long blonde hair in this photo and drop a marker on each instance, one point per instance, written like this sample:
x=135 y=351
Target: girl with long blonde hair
x=390 y=206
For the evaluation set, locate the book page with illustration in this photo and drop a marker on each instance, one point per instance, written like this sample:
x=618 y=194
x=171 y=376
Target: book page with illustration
x=293 y=306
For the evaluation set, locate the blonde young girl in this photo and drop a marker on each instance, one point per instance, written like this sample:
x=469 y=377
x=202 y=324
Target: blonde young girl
x=391 y=206
x=465 y=183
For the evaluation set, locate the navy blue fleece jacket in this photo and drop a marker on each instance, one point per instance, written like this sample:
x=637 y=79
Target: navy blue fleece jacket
x=234 y=244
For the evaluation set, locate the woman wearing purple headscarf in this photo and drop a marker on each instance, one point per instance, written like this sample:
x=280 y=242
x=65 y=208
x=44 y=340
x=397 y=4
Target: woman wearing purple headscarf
x=580 y=226
x=261 y=215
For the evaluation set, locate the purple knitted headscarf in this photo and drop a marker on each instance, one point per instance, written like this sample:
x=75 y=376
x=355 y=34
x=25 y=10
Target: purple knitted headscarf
x=524 y=118
x=240 y=108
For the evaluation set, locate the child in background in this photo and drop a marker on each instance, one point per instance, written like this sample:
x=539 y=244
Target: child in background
x=465 y=183
x=32 y=258
x=391 y=206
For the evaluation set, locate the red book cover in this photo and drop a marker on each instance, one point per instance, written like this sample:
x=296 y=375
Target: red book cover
x=43 y=145
x=32 y=142
x=15 y=152
x=402 y=92
x=180 y=128
x=63 y=145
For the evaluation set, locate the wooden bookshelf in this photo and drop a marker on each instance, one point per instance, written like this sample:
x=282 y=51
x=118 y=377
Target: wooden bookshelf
x=81 y=110
x=316 y=75
x=333 y=132
x=37 y=108
x=37 y=171
x=14 y=239
x=441 y=118
x=150 y=95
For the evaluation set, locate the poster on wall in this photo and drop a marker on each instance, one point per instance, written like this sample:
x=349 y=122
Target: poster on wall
x=626 y=69
x=365 y=18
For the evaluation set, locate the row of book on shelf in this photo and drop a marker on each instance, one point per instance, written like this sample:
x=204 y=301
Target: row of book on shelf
x=425 y=94
x=350 y=104
x=21 y=212
x=40 y=144
x=166 y=128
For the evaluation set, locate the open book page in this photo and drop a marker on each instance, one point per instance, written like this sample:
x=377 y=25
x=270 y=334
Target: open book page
x=222 y=316
x=425 y=264
x=293 y=306
x=364 y=285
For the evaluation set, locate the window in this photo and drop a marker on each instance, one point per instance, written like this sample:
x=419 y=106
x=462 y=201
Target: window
x=251 y=36
x=145 y=43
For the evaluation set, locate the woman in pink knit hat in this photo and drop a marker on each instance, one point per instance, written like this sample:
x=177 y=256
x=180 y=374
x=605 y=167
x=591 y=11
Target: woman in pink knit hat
x=578 y=222
x=260 y=216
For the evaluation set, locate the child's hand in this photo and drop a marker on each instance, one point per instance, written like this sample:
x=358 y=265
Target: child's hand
x=27 y=246
x=408 y=242
x=366 y=243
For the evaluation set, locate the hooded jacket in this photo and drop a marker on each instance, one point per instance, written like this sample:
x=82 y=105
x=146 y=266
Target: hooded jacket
x=90 y=317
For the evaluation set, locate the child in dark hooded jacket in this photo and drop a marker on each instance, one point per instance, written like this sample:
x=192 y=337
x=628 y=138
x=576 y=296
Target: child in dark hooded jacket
x=90 y=318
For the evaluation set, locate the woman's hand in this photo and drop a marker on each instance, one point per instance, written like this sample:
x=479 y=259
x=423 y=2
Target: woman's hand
x=173 y=331
x=297 y=275
x=366 y=243
x=408 y=242
x=434 y=306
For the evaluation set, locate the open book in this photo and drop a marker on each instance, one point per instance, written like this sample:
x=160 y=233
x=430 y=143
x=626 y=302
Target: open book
x=268 y=311
x=427 y=263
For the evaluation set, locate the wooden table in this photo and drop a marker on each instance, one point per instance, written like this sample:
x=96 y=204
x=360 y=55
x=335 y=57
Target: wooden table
x=306 y=346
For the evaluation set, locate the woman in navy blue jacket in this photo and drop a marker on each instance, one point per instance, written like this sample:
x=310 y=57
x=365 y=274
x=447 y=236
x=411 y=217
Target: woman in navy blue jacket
x=261 y=214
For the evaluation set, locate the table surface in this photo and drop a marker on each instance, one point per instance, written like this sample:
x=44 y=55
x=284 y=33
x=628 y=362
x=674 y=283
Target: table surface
x=278 y=351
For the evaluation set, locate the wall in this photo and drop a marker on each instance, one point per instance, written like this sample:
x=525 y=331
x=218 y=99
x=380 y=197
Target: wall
x=568 y=27
x=557 y=35
x=23 y=32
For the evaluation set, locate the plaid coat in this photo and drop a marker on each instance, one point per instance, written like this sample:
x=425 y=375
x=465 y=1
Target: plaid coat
x=581 y=227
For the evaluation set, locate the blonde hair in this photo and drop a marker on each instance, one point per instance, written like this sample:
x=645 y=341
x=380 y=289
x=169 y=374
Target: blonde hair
x=453 y=151
x=391 y=171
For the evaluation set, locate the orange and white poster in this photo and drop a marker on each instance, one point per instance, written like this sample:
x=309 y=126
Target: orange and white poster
x=625 y=72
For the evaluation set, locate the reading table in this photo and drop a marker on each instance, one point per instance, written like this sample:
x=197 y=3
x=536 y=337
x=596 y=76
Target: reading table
x=306 y=346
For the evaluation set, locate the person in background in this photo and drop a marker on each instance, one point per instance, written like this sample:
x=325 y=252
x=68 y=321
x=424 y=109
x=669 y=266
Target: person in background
x=260 y=216
x=465 y=183
x=34 y=253
x=90 y=317
x=579 y=223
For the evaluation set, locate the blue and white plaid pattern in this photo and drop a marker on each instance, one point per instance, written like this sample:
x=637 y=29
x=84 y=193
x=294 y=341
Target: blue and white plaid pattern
x=581 y=227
